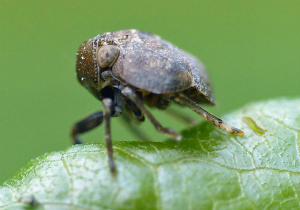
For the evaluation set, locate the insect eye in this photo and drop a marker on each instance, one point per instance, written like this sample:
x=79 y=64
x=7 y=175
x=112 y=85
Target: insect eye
x=107 y=55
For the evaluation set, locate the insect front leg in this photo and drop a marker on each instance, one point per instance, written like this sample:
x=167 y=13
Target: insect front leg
x=85 y=125
x=183 y=100
x=107 y=104
x=130 y=94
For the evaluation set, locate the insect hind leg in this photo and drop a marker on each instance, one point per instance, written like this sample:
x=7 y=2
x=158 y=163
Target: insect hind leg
x=183 y=100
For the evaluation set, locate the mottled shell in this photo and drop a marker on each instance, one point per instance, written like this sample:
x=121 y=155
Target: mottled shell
x=150 y=63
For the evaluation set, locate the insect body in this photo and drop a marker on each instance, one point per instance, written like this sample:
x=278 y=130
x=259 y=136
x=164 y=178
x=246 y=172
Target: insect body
x=129 y=68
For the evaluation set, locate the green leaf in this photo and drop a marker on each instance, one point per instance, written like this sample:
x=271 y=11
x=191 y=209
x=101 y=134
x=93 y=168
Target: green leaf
x=209 y=169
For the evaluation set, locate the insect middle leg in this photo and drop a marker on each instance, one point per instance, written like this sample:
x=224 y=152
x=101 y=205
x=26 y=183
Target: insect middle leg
x=183 y=100
x=85 y=125
x=130 y=94
x=134 y=128
x=132 y=117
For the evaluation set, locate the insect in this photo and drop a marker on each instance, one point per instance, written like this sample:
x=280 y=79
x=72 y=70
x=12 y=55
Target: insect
x=129 y=68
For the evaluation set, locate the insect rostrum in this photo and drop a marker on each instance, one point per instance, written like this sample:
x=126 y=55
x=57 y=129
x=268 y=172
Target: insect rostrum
x=129 y=68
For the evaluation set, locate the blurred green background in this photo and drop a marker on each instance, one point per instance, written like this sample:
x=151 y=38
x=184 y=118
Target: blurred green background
x=250 y=48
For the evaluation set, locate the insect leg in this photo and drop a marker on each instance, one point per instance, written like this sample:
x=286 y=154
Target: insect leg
x=129 y=93
x=183 y=100
x=107 y=104
x=139 y=116
x=179 y=115
x=85 y=125
x=138 y=132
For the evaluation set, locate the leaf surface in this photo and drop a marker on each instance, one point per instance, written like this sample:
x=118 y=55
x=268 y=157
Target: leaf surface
x=209 y=169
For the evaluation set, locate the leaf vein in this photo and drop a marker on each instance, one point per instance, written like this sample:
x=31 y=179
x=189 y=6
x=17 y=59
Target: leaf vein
x=71 y=186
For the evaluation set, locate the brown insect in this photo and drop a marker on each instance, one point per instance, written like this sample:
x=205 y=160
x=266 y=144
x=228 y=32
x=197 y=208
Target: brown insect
x=129 y=68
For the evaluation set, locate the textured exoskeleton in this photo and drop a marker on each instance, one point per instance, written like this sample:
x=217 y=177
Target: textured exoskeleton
x=125 y=69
